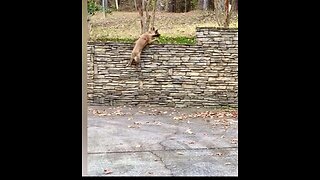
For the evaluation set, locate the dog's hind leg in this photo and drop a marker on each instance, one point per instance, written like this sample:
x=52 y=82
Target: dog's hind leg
x=137 y=59
x=130 y=62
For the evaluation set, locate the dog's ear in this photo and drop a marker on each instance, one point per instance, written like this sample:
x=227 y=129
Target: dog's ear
x=152 y=29
x=156 y=31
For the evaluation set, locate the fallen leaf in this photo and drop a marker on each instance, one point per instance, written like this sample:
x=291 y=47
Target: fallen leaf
x=138 y=146
x=191 y=142
x=133 y=126
x=234 y=141
x=219 y=154
x=178 y=118
x=107 y=171
x=189 y=131
x=180 y=153
x=227 y=163
x=158 y=123
x=220 y=115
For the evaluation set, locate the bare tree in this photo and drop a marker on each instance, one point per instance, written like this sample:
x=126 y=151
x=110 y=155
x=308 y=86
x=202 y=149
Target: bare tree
x=117 y=6
x=234 y=5
x=170 y=6
x=147 y=16
x=167 y=6
x=205 y=5
x=161 y=5
x=200 y=4
x=181 y=6
x=135 y=4
x=154 y=12
x=140 y=7
x=227 y=10
x=222 y=12
x=143 y=5
x=185 y=5
x=89 y=26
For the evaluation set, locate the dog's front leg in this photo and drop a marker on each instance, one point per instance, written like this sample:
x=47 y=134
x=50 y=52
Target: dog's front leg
x=153 y=41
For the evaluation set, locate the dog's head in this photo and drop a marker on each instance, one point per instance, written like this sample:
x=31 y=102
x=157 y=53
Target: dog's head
x=153 y=32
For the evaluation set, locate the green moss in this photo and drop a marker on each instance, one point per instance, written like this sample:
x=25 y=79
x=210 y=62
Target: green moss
x=177 y=40
x=162 y=40
x=123 y=40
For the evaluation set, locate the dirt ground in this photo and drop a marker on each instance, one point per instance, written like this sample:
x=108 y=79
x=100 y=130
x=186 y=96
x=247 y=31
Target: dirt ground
x=127 y=24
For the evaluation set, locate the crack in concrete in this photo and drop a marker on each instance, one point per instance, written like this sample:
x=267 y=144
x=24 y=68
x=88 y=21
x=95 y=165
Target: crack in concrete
x=164 y=164
x=166 y=138
x=184 y=145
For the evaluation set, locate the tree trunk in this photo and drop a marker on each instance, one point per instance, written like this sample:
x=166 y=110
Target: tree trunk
x=167 y=6
x=185 y=6
x=116 y=1
x=89 y=26
x=231 y=8
x=135 y=4
x=205 y=5
x=143 y=18
x=234 y=5
x=140 y=6
x=211 y=5
x=226 y=10
x=172 y=6
x=154 y=12
x=147 y=17
x=200 y=4
x=219 y=12
x=161 y=5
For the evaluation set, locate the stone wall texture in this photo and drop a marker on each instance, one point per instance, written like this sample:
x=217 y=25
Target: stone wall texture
x=204 y=75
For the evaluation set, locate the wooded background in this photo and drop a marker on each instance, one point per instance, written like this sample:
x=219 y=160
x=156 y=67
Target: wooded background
x=176 y=6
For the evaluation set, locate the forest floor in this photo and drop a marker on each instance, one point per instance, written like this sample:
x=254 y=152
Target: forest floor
x=126 y=25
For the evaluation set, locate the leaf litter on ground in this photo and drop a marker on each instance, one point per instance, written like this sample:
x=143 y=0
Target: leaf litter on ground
x=107 y=171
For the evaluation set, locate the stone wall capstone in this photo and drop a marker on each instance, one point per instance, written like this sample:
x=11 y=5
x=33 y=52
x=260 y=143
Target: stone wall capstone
x=203 y=75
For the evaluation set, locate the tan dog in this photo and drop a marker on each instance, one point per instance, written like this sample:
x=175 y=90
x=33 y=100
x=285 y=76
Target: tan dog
x=145 y=38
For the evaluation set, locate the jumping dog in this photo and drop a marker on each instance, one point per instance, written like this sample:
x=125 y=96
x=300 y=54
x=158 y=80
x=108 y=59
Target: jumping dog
x=145 y=39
